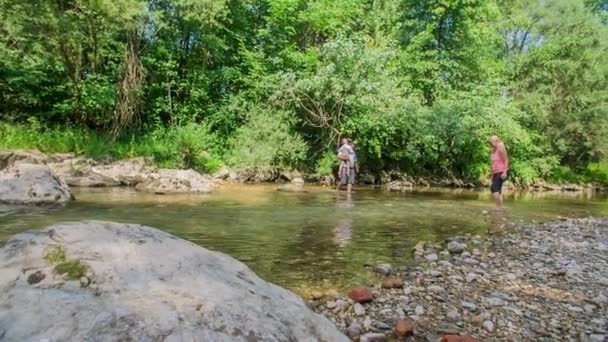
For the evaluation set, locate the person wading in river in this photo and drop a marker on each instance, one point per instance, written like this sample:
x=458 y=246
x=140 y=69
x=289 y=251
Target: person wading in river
x=500 y=169
x=348 y=165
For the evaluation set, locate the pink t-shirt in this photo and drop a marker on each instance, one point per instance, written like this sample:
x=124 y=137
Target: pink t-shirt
x=498 y=163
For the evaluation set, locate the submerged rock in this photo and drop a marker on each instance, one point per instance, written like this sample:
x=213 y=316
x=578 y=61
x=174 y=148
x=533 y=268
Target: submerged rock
x=296 y=185
x=32 y=184
x=168 y=181
x=144 y=285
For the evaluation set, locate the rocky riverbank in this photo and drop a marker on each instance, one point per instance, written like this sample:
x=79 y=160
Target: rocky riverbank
x=79 y=171
x=533 y=283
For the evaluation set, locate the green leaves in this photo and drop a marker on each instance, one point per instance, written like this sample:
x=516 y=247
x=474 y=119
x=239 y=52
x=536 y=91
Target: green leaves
x=273 y=84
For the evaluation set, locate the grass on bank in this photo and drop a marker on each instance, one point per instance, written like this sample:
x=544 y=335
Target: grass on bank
x=189 y=146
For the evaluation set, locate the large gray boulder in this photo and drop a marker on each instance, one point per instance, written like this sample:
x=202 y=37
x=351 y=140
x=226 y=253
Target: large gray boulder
x=102 y=281
x=32 y=184
x=169 y=181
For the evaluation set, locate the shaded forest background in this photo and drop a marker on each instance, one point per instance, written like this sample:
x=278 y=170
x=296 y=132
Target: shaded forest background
x=271 y=85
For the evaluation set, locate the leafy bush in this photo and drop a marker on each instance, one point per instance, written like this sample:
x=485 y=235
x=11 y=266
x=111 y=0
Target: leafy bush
x=267 y=142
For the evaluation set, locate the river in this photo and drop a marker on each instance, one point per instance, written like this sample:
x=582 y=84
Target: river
x=306 y=241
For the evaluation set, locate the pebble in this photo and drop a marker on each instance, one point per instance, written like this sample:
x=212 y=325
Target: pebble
x=317 y=295
x=354 y=330
x=600 y=299
x=471 y=277
x=332 y=294
x=436 y=289
x=453 y=316
x=494 y=302
x=384 y=269
x=597 y=338
x=419 y=310
x=563 y=288
x=367 y=323
x=431 y=257
x=471 y=261
x=373 y=337
x=436 y=274
x=331 y=304
x=392 y=283
x=510 y=276
x=404 y=327
x=469 y=306
x=456 y=247
x=359 y=309
x=488 y=326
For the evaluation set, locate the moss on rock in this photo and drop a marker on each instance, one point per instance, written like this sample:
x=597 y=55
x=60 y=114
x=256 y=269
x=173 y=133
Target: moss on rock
x=71 y=269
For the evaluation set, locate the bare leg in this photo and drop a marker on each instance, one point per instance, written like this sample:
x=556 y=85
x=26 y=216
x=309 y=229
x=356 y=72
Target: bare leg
x=349 y=188
x=498 y=199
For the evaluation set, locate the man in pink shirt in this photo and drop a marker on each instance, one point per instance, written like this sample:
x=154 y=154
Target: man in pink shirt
x=500 y=169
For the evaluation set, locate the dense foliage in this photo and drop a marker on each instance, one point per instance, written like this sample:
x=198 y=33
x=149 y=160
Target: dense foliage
x=268 y=85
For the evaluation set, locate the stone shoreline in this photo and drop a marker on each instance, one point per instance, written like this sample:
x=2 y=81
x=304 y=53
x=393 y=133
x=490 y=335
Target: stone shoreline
x=544 y=282
x=79 y=171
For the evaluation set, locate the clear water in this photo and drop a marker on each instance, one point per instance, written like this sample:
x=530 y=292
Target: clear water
x=306 y=241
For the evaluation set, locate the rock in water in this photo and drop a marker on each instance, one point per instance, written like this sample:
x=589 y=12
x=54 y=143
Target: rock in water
x=296 y=185
x=145 y=285
x=32 y=184
x=167 y=181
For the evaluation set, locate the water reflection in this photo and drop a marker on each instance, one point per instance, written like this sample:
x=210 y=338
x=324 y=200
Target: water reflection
x=343 y=231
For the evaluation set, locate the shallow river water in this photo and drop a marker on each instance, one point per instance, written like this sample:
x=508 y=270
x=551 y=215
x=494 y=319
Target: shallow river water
x=315 y=240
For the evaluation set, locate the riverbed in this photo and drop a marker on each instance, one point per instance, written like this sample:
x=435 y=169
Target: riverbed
x=316 y=240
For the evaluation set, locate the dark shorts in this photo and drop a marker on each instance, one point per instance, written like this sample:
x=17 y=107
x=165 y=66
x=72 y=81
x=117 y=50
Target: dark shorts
x=497 y=182
x=347 y=179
